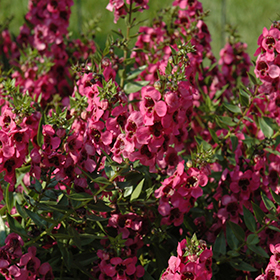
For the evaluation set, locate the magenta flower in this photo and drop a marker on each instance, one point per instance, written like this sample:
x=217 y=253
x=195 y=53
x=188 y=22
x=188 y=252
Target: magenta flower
x=244 y=183
x=151 y=105
x=265 y=70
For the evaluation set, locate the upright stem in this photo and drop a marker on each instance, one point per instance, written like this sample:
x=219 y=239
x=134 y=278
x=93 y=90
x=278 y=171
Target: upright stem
x=223 y=19
x=127 y=37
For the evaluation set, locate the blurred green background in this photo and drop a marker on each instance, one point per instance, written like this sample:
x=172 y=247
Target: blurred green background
x=249 y=16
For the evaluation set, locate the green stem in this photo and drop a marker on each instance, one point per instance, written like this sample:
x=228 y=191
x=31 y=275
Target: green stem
x=127 y=37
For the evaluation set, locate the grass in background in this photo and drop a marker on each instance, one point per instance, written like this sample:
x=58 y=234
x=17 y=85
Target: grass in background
x=249 y=16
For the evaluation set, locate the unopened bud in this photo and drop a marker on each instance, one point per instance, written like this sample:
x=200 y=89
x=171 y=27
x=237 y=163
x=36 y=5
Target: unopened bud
x=157 y=85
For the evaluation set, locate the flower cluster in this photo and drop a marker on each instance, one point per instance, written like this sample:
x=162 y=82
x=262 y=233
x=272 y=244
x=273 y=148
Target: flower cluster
x=178 y=194
x=108 y=164
x=16 y=265
x=268 y=62
x=272 y=269
x=193 y=261
x=120 y=9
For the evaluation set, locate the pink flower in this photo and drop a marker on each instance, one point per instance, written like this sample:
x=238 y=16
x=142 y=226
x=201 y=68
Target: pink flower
x=266 y=70
x=151 y=106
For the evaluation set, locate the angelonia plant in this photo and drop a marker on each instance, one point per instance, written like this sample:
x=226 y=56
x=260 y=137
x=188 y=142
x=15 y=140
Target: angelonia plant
x=148 y=159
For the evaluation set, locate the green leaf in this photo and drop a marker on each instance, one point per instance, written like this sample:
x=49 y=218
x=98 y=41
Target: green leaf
x=260 y=215
x=253 y=239
x=49 y=207
x=168 y=69
x=40 y=137
x=214 y=135
x=76 y=237
x=220 y=244
x=86 y=258
x=137 y=191
x=234 y=142
x=66 y=255
x=174 y=52
x=244 y=98
x=95 y=218
x=9 y=199
x=102 y=181
x=21 y=211
x=221 y=91
x=237 y=230
x=37 y=186
x=268 y=203
x=36 y=218
x=226 y=120
x=99 y=206
x=200 y=141
x=134 y=74
x=147 y=276
x=127 y=191
x=3 y=233
x=118 y=33
x=275 y=196
x=233 y=254
x=265 y=128
x=249 y=219
x=248 y=119
x=135 y=86
x=272 y=151
x=15 y=226
x=241 y=265
x=274 y=228
x=258 y=250
x=252 y=78
x=231 y=239
x=80 y=196
x=84 y=270
x=23 y=169
x=232 y=108
x=128 y=61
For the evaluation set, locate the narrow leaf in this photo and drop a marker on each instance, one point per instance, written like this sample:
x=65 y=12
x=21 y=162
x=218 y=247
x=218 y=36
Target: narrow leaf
x=253 y=239
x=21 y=211
x=252 y=78
x=258 y=250
x=3 y=233
x=231 y=239
x=40 y=137
x=220 y=244
x=249 y=219
x=134 y=74
x=9 y=199
x=36 y=218
x=260 y=215
x=237 y=230
x=15 y=226
x=244 y=98
x=76 y=237
x=241 y=265
x=274 y=228
x=275 y=196
x=268 y=203
x=135 y=86
x=265 y=128
x=136 y=193
x=99 y=206
x=214 y=135
x=232 y=108
x=234 y=142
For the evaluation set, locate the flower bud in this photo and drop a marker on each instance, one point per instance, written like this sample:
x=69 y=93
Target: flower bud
x=157 y=85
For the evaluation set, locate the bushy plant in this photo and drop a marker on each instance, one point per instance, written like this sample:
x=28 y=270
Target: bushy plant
x=148 y=159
